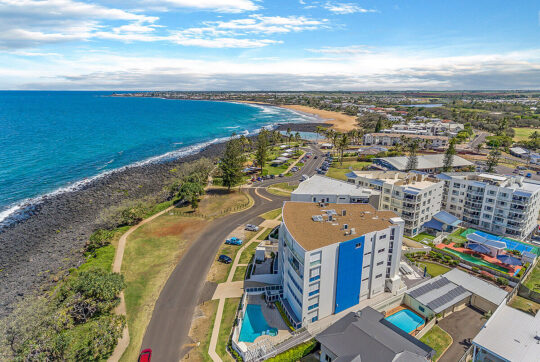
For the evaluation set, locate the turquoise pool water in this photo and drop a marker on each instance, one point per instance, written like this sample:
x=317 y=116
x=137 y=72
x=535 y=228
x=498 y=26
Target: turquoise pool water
x=254 y=325
x=406 y=320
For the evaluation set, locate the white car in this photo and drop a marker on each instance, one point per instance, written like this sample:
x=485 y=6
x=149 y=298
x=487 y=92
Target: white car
x=251 y=227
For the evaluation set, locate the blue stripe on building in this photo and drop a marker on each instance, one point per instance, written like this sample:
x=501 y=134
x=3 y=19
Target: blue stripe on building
x=349 y=273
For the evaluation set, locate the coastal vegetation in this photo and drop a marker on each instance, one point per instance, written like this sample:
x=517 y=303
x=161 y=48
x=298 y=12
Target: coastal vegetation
x=73 y=322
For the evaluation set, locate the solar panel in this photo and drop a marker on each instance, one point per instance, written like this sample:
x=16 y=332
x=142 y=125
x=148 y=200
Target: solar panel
x=428 y=287
x=447 y=297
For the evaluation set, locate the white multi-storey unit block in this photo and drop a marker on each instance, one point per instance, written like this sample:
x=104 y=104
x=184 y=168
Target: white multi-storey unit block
x=503 y=205
x=392 y=139
x=413 y=196
x=332 y=257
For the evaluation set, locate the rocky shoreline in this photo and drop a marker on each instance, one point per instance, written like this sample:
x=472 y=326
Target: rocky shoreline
x=37 y=250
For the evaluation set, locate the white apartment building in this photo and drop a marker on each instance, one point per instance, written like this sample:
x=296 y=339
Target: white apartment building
x=503 y=205
x=431 y=127
x=413 y=196
x=325 y=189
x=392 y=139
x=330 y=258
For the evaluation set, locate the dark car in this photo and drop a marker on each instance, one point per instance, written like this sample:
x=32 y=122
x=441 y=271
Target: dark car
x=272 y=176
x=145 y=355
x=316 y=157
x=224 y=259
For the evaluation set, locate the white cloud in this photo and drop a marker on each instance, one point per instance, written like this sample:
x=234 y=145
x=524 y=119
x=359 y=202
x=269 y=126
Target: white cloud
x=226 y=6
x=346 y=8
x=396 y=69
x=29 y=23
x=345 y=50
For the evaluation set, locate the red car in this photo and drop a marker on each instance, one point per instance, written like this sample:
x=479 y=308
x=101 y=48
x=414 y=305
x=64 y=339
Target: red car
x=145 y=355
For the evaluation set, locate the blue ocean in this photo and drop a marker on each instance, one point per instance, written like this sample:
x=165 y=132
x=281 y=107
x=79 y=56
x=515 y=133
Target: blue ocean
x=56 y=141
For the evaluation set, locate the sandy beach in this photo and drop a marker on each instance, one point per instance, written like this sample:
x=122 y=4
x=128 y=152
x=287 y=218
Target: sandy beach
x=339 y=121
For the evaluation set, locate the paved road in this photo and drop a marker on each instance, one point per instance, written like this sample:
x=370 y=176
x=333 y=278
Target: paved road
x=169 y=326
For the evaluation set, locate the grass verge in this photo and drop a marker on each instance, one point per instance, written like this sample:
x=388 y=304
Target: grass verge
x=523 y=133
x=239 y=273
x=422 y=236
x=339 y=171
x=205 y=316
x=272 y=214
x=227 y=321
x=437 y=339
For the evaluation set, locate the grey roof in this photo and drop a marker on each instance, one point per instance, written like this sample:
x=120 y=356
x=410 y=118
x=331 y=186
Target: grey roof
x=322 y=185
x=367 y=336
x=438 y=293
x=447 y=218
x=476 y=286
x=511 y=334
x=424 y=161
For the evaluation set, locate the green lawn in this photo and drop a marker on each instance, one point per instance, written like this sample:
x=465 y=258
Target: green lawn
x=434 y=269
x=239 y=273
x=339 y=171
x=229 y=312
x=272 y=214
x=248 y=252
x=437 y=339
x=456 y=236
x=533 y=280
x=524 y=305
x=522 y=134
x=282 y=189
x=265 y=234
x=423 y=236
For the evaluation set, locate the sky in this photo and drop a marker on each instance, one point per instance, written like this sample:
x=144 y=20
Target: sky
x=269 y=45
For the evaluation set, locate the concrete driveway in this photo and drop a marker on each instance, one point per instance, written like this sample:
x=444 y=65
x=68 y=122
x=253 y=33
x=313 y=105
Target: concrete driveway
x=461 y=326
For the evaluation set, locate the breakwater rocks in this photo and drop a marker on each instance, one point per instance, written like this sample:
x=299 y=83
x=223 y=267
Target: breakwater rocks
x=36 y=250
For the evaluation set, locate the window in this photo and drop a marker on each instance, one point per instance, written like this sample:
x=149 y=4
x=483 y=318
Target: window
x=381 y=250
x=314 y=319
x=378 y=276
x=358 y=245
x=315 y=278
x=311 y=307
x=327 y=358
x=313 y=292
x=382 y=237
x=422 y=309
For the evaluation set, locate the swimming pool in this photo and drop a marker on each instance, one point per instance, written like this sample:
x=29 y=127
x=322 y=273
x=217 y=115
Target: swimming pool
x=254 y=325
x=406 y=320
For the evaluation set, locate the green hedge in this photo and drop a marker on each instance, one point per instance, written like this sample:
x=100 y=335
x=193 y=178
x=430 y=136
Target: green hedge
x=284 y=315
x=295 y=353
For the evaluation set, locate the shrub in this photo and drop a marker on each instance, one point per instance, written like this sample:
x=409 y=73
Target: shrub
x=99 y=239
x=475 y=269
x=502 y=281
x=295 y=353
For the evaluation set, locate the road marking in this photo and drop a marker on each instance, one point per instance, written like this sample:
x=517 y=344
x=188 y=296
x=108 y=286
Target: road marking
x=261 y=196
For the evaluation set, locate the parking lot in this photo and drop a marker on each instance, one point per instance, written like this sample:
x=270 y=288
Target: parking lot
x=462 y=326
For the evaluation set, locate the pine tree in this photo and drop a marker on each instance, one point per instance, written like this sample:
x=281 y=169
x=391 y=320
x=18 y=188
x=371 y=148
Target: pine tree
x=493 y=158
x=449 y=156
x=262 y=148
x=412 y=160
x=231 y=163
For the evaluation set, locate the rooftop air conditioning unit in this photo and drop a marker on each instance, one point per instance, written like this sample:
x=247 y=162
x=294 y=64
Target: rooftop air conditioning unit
x=353 y=231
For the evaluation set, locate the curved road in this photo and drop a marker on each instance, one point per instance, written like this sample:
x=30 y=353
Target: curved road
x=171 y=319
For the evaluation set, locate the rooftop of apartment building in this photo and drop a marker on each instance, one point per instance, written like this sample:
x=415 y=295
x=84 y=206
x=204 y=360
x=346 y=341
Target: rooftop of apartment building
x=413 y=180
x=513 y=182
x=425 y=162
x=318 y=184
x=314 y=226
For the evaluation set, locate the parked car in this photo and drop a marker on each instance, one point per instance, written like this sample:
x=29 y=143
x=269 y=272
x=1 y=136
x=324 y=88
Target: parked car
x=316 y=157
x=251 y=227
x=294 y=169
x=233 y=241
x=529 y=175
x=224 y=259
x=259 y=179
x=521 y=173
x=304 y=178
x=280 y=175
x=272 y=176
x=515 y=171
x=145 y=356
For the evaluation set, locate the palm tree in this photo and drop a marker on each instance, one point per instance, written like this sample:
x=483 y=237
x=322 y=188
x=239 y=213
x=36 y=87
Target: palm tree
x=320 y=131
x=342 y=144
